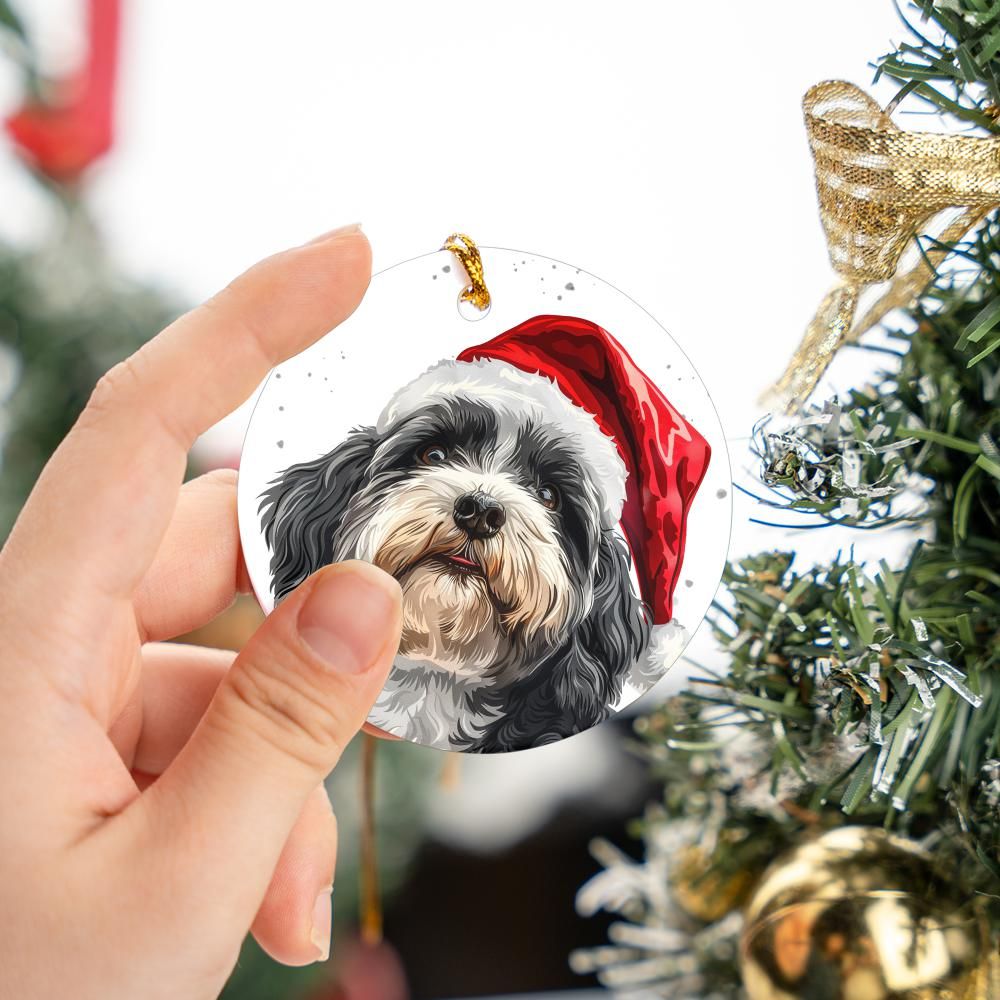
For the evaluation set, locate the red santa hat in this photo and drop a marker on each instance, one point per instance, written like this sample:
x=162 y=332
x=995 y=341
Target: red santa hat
x=646 y=459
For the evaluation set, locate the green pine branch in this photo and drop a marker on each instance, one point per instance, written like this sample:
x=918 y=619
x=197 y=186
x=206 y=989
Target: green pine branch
x=865 y=695
x=951 y=60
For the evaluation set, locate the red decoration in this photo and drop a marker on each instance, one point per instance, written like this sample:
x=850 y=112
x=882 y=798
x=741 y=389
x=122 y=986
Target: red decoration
x=65 y=136
x=665 y=457
x=366 y=972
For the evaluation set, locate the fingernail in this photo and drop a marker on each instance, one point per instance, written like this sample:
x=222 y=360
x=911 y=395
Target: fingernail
x=348 y=614
x=322 y=923
x=333 y=234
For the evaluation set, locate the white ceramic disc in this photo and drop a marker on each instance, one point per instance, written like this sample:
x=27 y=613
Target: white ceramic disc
x=548 y=481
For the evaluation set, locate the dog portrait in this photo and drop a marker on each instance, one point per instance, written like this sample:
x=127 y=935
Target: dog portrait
x=495 y=489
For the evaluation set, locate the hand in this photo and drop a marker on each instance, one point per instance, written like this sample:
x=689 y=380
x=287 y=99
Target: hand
x=157 y=801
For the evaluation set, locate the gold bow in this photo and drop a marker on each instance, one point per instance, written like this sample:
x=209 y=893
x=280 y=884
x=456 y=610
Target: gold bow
x=878 y=186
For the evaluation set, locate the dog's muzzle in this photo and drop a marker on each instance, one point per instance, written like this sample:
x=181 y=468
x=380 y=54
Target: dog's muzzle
x=479 y=515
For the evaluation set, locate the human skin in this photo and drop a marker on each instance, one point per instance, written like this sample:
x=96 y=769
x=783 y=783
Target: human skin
x=159 y=801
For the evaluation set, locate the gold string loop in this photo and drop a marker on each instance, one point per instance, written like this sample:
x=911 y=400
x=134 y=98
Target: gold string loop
x=478 y=294
x=370 y=896
x=467 y=252
x=878 y=187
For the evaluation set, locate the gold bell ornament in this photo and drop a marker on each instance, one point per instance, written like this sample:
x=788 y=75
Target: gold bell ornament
x=860 y=914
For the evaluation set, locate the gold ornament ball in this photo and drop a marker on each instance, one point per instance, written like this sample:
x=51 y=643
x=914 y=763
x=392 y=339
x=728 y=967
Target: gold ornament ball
x=859 y=914
x=703 y=894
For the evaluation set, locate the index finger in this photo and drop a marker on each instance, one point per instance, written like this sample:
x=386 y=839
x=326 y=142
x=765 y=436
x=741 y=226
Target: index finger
x=104 y=501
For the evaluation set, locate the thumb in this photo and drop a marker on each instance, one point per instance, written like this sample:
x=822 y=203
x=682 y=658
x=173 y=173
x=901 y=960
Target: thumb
x=288 y=707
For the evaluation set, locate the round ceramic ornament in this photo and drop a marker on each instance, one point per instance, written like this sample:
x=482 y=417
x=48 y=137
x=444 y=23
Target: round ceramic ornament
x=535 y=461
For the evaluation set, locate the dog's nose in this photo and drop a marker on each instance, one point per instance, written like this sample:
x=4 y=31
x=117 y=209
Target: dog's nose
x=479 y=514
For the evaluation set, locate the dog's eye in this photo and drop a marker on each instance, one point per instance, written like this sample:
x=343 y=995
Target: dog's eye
x=433 y=454
x=549 y=496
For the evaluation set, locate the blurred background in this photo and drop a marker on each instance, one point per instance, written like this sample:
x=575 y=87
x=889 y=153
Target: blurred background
x=153 y=151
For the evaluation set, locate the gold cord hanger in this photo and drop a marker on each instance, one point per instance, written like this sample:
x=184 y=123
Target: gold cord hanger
x=465 y=249
x=371 y=901
x=467 y=252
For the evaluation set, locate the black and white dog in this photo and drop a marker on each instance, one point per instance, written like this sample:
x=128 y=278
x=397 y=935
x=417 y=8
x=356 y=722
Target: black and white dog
x=494 y=500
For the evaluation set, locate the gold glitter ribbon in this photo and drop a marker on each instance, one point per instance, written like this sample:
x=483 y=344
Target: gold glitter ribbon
x=467 y=252
x=878 y=186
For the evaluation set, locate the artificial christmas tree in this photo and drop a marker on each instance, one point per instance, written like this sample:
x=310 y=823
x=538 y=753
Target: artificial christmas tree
x=855 y=695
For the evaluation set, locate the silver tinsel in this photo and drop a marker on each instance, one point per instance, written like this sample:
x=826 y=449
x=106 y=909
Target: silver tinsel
x=825 y=460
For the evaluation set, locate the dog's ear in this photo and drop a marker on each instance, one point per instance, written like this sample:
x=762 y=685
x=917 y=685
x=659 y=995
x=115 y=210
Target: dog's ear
x=610 y=639
x=580 y=684
x=301 y=510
